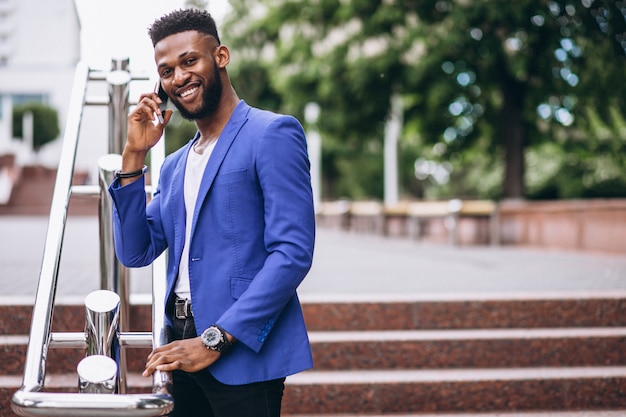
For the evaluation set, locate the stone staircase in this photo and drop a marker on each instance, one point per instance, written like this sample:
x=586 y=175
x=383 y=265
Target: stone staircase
x=32 y=194
x=530 y=354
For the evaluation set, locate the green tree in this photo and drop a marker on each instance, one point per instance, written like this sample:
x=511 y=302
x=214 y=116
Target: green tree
x=523 y=73
x=45 y=123
x=484 y=82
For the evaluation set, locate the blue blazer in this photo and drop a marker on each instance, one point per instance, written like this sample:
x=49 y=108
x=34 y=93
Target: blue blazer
x=252 y=240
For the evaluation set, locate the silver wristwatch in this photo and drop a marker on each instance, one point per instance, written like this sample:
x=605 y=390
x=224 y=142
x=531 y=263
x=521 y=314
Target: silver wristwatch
x=214 y=338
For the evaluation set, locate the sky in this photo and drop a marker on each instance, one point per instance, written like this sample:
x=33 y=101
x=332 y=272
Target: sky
x=118 y=29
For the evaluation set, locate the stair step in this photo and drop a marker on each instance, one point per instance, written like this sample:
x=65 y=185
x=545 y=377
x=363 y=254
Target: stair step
x=415 y=349
x=59 y=360
x=422 y=349
x=585 y=413
x=370 y=393
x=516 y=311
x=389 y=392
x=467 y=311
x=394 y=356
x=454 y=375
x=32 y=195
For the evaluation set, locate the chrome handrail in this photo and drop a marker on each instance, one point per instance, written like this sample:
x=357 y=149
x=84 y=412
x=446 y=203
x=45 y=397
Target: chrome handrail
x=31 y=400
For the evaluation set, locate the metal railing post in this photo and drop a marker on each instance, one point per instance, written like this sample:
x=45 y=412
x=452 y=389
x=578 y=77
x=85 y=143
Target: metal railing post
x=97 y=375
x=118 y=81
x=98 y=372
x=114 y=276
x=102 y=316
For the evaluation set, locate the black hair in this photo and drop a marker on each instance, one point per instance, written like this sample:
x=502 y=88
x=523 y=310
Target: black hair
x=180 y=21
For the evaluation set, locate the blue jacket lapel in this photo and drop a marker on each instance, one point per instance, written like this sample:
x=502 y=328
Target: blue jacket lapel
x=226 y=139
x=178 y=201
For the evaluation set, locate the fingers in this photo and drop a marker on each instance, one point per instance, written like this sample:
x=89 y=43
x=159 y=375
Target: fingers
x=161 y=362
x=188 y=355
x=166 y=367
x=147 y=107
x=165 y=355
x=143 y=131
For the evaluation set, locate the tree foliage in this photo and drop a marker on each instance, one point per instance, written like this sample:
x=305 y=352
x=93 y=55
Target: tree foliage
x=485 y=83
x=45 y=123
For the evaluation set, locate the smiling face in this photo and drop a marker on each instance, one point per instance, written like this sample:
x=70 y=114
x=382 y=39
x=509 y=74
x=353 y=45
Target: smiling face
x=189 y=69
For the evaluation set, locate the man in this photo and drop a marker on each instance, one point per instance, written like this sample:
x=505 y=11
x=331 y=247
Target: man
x=234 y=210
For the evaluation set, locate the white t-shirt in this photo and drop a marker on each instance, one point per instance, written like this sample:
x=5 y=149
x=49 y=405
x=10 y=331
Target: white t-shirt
x=194 y=171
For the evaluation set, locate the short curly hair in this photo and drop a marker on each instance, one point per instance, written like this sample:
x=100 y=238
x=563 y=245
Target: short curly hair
x=180 y=21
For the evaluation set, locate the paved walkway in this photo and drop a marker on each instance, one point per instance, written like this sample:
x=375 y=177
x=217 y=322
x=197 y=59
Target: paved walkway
x=345 y=265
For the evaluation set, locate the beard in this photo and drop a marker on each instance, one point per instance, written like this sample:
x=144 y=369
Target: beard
x=210 y=100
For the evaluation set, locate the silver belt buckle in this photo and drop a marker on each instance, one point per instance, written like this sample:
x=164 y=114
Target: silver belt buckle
x=183 y=309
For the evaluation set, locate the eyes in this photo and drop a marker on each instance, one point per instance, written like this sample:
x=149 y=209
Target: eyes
x=185 y=65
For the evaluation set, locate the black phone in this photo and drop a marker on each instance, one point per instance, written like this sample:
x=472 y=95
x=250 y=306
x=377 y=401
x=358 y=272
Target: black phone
x=163 y=96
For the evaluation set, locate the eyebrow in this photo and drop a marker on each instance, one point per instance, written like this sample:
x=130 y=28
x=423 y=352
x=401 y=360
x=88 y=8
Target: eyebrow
x=180 y=56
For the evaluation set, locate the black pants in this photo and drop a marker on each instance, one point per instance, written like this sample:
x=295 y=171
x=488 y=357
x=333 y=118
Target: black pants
x=200 y=394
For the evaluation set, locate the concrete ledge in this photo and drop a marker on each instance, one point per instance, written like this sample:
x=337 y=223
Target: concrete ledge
x=590 y=225
x=415 y=219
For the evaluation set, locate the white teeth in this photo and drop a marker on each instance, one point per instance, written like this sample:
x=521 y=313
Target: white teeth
x=188 y=92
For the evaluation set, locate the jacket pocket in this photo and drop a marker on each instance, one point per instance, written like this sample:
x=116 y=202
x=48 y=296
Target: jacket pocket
x=230 y=177
x=238 y=285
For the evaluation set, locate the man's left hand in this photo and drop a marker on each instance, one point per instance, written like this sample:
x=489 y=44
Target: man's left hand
x=188 y=355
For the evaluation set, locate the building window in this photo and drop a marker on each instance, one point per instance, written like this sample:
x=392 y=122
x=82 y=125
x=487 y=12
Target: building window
x=19 y=99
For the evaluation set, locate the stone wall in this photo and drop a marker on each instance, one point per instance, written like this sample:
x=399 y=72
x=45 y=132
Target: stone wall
x=590 y=225
x=595 y=225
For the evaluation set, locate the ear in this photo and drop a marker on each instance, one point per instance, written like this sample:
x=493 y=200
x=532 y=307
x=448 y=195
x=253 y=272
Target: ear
x=222 y=56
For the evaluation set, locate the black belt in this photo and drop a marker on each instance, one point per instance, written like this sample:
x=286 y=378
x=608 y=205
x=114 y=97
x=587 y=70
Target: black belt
x=182 y=308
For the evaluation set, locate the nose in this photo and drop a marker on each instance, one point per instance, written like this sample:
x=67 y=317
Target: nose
x=180 y=77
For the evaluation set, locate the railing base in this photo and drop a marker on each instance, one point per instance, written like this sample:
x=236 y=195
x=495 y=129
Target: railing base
x=52 y=404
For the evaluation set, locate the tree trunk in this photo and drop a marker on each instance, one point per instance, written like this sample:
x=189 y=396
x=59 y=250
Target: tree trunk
x=514 y=136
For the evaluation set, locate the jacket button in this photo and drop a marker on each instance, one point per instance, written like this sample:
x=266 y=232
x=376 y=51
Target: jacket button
x=261 y=339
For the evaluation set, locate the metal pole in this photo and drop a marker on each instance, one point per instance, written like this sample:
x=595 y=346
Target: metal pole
x=34 y=367
x=97 y=375
x=311 y=115
x=120 y=64
x=102 y=312
x=119 y=88
x=113 y=275
x=393 y=128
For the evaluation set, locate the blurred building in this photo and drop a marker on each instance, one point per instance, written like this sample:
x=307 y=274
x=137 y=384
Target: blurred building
x=39 y=50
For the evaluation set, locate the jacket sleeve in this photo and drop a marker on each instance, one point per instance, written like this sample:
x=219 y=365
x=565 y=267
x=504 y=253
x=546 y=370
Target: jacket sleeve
x=137 y=229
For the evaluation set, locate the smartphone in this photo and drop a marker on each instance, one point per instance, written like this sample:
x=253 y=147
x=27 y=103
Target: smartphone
x=163 y=96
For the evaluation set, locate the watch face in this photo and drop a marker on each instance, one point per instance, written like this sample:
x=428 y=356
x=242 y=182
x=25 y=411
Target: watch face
x=211 y=337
